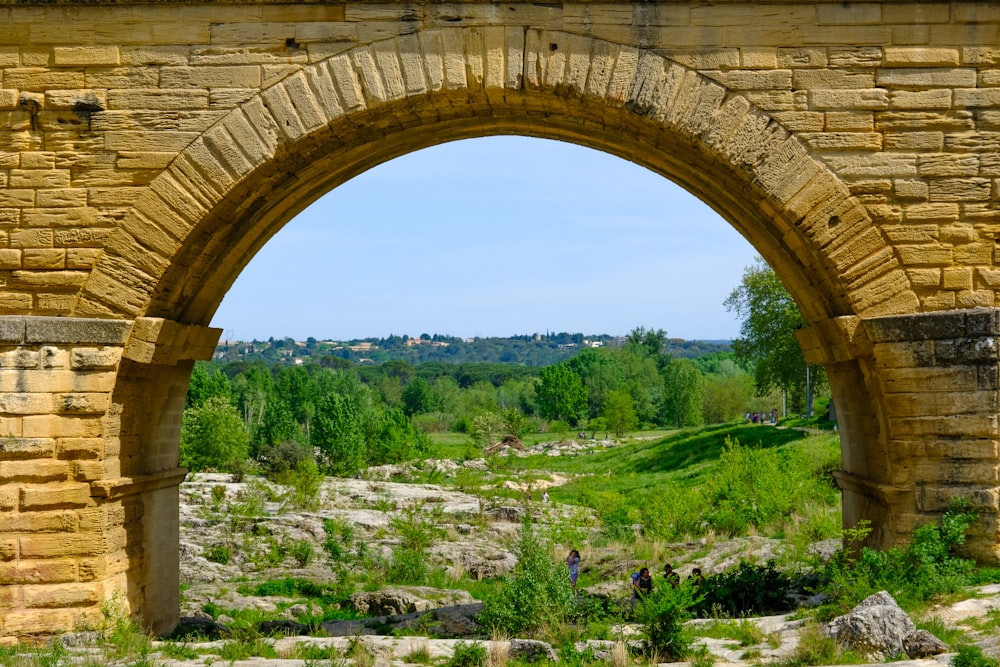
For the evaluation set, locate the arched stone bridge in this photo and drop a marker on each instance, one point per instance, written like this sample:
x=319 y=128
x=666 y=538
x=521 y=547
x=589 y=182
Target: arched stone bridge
x=148 y=150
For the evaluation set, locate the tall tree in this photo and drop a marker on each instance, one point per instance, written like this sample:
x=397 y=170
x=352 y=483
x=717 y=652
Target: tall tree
x=767 y=342
x=683 y=394
x=561 y=394
x=619 y=412
x=213 y=436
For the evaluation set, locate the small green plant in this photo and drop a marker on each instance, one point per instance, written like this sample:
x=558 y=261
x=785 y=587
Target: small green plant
x=302 y=552
x=420 y=655
x=968 y=655
x=219 y=553
x=304 y=483
x=815 y=648
x=177 y=651
x=467 y=655
x=241 y=650
x=218 y=494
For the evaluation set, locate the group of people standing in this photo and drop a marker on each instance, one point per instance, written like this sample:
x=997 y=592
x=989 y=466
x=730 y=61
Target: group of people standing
x=642 y=581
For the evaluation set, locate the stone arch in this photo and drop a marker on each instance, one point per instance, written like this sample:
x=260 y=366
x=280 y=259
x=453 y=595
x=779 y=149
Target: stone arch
x=186 y=239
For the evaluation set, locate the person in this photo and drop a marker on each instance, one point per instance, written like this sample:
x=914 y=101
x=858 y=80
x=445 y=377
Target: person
x=696 y=578
x=545 y=496
x=642 y=583
x=670 y=576
x=573 y=563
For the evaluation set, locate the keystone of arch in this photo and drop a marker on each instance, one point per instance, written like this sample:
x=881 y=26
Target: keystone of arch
x=810 y=211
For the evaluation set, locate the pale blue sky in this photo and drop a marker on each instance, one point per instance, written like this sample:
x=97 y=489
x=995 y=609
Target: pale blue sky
x=494 y=237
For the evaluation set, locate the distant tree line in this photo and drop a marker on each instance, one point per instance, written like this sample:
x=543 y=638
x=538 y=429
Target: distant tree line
x=346 y=416
x=528 y=350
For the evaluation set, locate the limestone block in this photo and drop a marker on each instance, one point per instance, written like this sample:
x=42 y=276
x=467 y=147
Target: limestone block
x=915 y=141
x=62 y=595
x=52 y=496
x=942 y=212
x=956 y=277
x=915 y=12
x=959 y=189
x=80 y=448
x=843 y=141
x=801 y=57
x=973 y=253
x=849 y=14
x=975 y=299
x=807 y=79
x=43 y=258
x=40 y=522
x=20 y=358
x=91 y=470
x=80 y=403
x=869 y=98
x=92 y=358
x=851 y=57
x=34 y=470
x=924 y=277
x=8 y=498
x=752 y=79
x=16 y=623
x=922 y=78
x=56 y=426
x=10 y=258
x=17 y=447
x=976 y=97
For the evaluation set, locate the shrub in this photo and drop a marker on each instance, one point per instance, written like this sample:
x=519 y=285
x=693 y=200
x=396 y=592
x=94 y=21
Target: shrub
x=662 y=613
x=746 y=589
x=220 y=554
x=467 y=655
x=927 y=567
x=304 y=483
x=537 y=592
x=283 y=457
x=302 y=551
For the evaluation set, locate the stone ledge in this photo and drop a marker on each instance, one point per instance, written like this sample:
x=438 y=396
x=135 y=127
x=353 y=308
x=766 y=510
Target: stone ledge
x=129 y=486
x=938 y=325
x=26 y=329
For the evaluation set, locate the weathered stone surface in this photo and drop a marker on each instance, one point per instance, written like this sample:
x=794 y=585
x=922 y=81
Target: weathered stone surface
x=876 y=628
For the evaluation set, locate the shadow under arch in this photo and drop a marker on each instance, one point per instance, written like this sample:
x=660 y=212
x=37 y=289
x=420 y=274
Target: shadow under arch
x=188 y=237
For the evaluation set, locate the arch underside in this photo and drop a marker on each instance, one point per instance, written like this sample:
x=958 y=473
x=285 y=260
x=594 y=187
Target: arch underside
x=234 y=188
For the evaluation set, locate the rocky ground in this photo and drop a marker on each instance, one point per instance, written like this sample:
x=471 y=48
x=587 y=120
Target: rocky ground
x=248 y=531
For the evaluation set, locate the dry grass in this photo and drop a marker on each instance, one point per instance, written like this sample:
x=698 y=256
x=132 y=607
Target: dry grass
x=499 y=651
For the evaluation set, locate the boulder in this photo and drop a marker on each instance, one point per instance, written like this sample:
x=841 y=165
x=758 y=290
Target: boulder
x=388 y=602
x=922 y=644
x=531 y=650
x=458 y=620
x=875 y=628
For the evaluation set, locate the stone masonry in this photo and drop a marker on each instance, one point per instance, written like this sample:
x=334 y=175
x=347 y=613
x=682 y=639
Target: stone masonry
x=149 y=149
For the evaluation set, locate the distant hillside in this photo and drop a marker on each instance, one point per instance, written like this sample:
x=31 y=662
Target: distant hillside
x=528 y=350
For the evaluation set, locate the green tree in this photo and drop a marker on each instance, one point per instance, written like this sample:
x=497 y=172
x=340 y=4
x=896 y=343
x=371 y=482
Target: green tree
x=619 y=412
x=767 y=342
x=277 y=425
x=418 y=397
x=213 y=436
x=684 y=393
x=338 y=434
x=561 y=394
x=207 y=381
